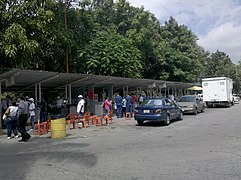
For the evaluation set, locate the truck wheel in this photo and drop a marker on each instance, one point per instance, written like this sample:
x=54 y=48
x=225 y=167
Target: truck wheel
x=140 y=123
x=167 y=120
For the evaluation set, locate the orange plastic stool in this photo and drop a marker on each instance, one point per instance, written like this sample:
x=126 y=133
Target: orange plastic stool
x=38 y=128
x=128 y=115
x=98 y=121
x=107 y=119
x=45 y=126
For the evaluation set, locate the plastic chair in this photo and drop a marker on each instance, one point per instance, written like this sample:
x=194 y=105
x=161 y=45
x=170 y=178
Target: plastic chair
x=85 y=119
x=128 y=116
x=107 y=119
x=98 y=121
x=71 y=119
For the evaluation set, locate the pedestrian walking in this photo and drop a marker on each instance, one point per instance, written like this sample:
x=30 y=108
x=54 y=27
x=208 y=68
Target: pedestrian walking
x=23 y=111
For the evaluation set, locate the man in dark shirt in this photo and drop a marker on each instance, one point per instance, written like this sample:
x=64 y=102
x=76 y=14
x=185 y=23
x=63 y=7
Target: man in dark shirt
x=129 y=104
x=23 y=111
x=118 y=101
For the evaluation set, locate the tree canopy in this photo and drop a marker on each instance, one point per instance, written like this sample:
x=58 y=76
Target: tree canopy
x=104 y=37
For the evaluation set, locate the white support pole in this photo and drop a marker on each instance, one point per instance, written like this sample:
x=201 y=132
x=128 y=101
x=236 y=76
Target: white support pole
x=39 y=92
x=36 y=93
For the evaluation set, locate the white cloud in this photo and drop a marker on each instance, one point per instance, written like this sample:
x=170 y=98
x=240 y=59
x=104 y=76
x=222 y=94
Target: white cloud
x=216 y=23
x=225 y=38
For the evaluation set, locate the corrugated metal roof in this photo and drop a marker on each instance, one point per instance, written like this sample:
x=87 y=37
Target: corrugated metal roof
x=25 y=80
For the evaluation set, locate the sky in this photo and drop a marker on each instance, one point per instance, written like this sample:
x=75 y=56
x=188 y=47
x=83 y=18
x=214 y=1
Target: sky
x=217 y=23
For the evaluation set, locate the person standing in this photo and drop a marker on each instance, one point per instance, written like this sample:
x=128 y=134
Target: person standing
x=141 y=98
x=4 y=106
x=23 y=111
x=129 y=104
x=172 y=97
x=106 y=106
x=11 y=120
x=124 y=107
x=118 y=101
x=32 y=113
x=43 y=110
x=81 y=106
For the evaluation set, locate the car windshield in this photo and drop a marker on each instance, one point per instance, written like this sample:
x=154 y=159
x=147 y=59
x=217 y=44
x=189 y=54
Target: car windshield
x=187 y=99
x=152 y=102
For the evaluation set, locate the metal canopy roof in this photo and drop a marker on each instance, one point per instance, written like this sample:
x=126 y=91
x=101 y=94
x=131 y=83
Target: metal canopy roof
x=25 y=80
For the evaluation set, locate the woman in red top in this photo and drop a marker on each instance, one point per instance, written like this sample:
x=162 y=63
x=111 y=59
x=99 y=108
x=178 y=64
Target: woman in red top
x=106 y=106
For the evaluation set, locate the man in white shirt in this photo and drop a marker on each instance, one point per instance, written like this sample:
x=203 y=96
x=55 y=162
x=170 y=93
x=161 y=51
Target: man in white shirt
x=80 y=106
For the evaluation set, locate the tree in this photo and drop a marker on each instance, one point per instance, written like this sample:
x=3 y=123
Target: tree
x=109 y=53
x=22 y=24
x=183 y=57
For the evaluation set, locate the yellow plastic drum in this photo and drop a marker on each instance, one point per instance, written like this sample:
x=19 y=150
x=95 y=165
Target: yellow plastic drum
x=58 y=128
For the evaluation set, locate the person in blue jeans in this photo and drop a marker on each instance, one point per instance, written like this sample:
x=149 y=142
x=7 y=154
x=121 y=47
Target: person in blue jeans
x=129 y=103
x=118 y=101
x=11 y=121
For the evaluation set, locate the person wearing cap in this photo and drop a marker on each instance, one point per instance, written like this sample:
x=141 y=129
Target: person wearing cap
x=81 y=106
x=32 y=113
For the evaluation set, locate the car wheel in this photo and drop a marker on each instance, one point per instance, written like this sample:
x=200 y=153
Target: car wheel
x=167 y=121
x=195 y=111
x=140 y=123
x=180 y=117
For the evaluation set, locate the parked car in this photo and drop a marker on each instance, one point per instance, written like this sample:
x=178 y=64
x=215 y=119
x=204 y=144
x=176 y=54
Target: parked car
x=236 y=98
x=159 y=110
x=191 y=104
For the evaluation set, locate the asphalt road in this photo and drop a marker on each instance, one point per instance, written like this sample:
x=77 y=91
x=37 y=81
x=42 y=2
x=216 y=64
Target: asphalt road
x=205 y=146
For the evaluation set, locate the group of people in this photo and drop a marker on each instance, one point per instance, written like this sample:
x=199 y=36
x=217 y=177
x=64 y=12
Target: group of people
x=122 y=104
x=16 y=116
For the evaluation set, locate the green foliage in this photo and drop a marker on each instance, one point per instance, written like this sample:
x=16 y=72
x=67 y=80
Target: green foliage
x=104 y=37
x=109 y=53
x=183 y=57
x=22 y=23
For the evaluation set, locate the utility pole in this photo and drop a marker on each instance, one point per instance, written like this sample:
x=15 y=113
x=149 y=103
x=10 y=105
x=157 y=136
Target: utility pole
x=65 y=25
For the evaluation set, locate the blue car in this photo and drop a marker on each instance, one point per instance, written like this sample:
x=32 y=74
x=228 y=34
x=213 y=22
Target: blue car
x=159 y=110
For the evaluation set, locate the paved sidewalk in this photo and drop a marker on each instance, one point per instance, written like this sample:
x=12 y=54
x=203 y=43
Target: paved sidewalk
x=91 y=130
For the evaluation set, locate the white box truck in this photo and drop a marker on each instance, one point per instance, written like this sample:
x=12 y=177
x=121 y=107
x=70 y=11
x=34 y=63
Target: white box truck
x=217 y=91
